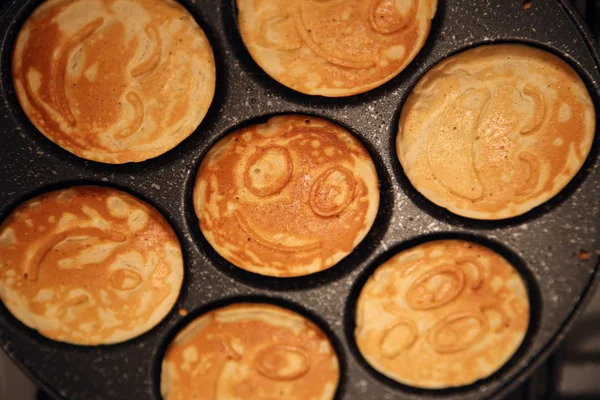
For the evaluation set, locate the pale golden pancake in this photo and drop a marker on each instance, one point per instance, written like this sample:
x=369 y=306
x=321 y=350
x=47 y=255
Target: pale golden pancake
x=289 y=197
x=114 y=81
x=334 y=47
x=442 y=314
x=250 y=352
x=495 y=131
x=89 y=265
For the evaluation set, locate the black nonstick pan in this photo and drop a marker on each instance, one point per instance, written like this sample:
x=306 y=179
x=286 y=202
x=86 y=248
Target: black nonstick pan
x=555 y=246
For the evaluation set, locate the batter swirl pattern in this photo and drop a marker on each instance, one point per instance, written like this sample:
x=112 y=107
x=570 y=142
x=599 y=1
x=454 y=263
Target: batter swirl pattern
x=250 y=352
x=89 y=265
x=444 y=313
x=114 y=81
x=495 y=131
x=334 y=48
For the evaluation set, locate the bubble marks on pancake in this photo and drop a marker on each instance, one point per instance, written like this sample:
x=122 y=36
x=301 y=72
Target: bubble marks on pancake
x=286 y=198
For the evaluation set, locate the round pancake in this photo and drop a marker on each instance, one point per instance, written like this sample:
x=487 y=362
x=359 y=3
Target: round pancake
x=89 y=265
x=442 y=314
x=250 y=352
x=334 y=47
x=114 y=81
x=286 y=198
x=495 y=131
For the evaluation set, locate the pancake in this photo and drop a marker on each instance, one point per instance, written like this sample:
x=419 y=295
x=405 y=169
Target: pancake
x=89 y=265
x=286 y=198
x=442 y=314
x=114 y=81
x=495 y=131
x=250 y=352
x=334 y=48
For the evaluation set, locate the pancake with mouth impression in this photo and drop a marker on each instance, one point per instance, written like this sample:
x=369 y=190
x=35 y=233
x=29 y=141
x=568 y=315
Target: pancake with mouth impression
x=442 y=314
x=89 y=265
x=334 y=47
x=289 y=197
x=114 y=81
x=250 y=352
x=495 y=131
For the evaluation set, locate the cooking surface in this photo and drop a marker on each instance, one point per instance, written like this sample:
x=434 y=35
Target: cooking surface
x=570 y=373
x=544 y=244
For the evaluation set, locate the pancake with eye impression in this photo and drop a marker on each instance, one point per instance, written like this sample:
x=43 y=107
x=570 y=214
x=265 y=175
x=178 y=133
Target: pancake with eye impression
x=442 y=314
x=334 y=48
x=114 y=81
x=289 y=197
x=89 y=265
x=495 y=131
x=250 y=352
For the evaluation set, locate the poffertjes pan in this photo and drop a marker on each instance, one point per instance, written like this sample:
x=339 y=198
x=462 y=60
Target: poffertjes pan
x=555 y=247
x=442 y=314
x=114 y=81
x=250 y=352
x=289 y=197
x=495 y=131
x=89 y=265
x=331 y=47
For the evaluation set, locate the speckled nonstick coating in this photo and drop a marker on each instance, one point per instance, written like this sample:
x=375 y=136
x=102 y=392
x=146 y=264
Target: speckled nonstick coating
x=544 y=244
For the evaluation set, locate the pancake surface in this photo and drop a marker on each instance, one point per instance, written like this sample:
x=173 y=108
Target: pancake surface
x=289 y=197
x=114 y=81
x=250 y=352
x=442 y=314
x=495 y=131
x=89 y=265
x=334 y=47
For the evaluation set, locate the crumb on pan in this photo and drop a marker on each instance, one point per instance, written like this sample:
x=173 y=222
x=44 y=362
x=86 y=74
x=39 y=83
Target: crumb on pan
x=584 y=255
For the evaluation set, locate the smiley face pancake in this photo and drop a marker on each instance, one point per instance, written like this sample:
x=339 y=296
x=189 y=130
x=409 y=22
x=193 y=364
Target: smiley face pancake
x=334 y=47
x=495 y=131
x=286 y=198
x=114 y=81
x=250 y=352
x=442 y=314
x=89 y=265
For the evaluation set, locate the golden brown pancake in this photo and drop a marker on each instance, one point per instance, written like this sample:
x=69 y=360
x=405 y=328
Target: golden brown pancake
x=334 y=47
x=445 y=313
x=495 y=131
x=89 y=265
x=250 y=352
x=289 y=197
x=114 y=81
